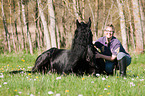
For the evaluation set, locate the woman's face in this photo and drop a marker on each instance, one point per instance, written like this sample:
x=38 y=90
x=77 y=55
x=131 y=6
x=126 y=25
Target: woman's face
x=109 y=32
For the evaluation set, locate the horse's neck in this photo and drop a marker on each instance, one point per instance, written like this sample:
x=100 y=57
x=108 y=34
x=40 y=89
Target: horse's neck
x=78 y=48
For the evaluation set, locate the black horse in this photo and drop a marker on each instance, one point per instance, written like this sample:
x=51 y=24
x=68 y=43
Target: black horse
x=79 y=59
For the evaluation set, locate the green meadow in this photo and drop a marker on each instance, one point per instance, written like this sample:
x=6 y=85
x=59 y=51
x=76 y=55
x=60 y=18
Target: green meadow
x=17 y=80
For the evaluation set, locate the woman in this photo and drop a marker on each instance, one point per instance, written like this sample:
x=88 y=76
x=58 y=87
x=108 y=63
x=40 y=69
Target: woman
x=112 y=51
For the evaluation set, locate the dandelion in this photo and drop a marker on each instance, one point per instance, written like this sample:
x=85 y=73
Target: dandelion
x=15 y=90
x=22 y=60
x=57 y=78
x=29 y=74
x=83 y=78
x=100 y=95
x=66 y=91
x=37 y=77
x=8 y=65
x=108 y=93
x=108 y=86
x=50 y=92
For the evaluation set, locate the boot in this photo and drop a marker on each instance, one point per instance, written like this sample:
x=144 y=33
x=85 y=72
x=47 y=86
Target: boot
x=122 y=66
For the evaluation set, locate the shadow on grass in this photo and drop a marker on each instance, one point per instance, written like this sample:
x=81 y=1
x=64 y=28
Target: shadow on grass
x=19 y=71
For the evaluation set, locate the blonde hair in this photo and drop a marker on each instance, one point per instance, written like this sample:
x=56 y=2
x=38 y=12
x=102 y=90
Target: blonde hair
x=111 y=25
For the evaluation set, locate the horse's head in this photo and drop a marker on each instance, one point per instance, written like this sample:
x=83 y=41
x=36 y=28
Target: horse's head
x=90 y=55
x=83 y=25
x=83 y=34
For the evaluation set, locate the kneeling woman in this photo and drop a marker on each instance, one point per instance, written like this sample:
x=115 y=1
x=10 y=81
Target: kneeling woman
x=112 y=51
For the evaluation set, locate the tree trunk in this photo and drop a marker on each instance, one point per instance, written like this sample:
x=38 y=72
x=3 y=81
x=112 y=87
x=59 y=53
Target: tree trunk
x=5 y=27
x=130 y=25
x=37 y=40
x=52 y=26
x=138 y=26
x=25 y=20
x=93 y=19
x=142 y=18
x=104 y=16
x=11 y=26
x=15 y=22
x=97 y=18
x=47 y=37
x=21 y=26
x=122 y=25
x=76 y=11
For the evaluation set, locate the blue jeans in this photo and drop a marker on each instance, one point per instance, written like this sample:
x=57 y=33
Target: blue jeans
x=110 y=65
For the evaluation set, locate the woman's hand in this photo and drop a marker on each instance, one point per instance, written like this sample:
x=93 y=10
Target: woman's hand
x=110 y=58
x=97 y=55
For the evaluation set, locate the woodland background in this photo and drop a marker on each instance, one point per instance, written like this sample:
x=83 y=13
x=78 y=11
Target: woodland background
x=36 y=25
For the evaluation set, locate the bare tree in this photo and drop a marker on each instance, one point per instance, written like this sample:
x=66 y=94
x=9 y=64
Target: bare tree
x=5 y=26
x=21 y=26
x=97 y=18
x=76 y=9
x=36 y=18
x=130 y=25
x=41 y=14
x=138 y=26
x=122 y=25
x=52 y=26
x=15 y=23
x=25 y=20
x=11 y=26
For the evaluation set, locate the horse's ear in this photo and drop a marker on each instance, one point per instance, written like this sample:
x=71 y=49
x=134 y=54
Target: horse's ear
x=77 y=22
x=89 y=23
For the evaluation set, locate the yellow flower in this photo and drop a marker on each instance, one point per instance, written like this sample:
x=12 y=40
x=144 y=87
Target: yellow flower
x=108 y=86
x=23 y=60
x=36 y=76
x=66 y=90
x=29 y=74
x=2 y=71
x=8 y=65
x=100 y=95
x=15 y=90
x=108 y=93
x=83 y=78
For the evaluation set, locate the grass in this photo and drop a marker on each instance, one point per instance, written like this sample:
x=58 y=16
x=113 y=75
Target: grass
x=24 y=83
